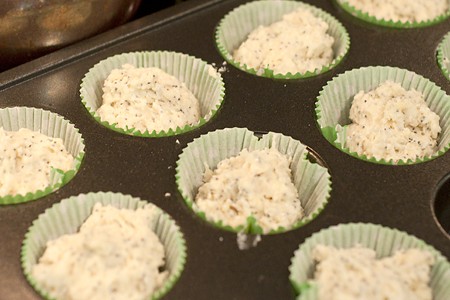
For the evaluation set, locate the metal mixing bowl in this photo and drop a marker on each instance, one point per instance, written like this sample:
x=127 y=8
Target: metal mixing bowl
x=31 y=28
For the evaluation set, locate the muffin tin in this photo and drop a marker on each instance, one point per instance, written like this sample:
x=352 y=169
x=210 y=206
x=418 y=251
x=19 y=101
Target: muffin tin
x=401 y=197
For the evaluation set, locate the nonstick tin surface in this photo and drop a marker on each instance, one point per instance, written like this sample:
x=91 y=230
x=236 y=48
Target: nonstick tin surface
x=399 y=197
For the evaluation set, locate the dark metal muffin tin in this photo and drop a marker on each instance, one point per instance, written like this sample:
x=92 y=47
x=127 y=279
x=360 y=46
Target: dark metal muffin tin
x=399 y=197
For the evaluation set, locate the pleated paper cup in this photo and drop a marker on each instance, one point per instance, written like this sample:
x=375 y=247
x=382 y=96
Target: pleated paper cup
x=334 y=102
x=365 y=16
x=67 y=216
x=234 y=28
x=200 y=78
x=383 y=240
x=52 y=125
x=443 y=56
x=312 y=181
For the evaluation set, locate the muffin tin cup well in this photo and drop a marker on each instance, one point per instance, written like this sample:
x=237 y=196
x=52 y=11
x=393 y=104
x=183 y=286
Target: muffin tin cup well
x=67 y=216
x=313 y=182
x=52 y=125
x=441 y=205
x=334 y=102
x=443 y=55
x=383 y=240
x=390 y=23
x=200 y=78
x=234 y=28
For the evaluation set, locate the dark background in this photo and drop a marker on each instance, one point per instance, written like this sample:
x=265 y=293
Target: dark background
x=149 y=6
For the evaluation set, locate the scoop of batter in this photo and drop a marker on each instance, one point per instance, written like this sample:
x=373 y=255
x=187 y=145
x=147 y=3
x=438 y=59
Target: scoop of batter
x=115 y=255
x=296 y=44
x=147 y=99
x=356 y=274
x=255 y=183
x=392 y=123
x=26 y=160
x=401 y=10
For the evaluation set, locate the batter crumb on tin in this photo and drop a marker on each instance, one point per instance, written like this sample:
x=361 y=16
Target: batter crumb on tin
x=247 y=241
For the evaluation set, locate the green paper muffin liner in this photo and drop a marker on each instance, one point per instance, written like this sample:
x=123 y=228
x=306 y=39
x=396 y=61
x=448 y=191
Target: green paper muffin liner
x=234 y=28
x=313 y=182
x=52 y=125
x=390 y=23
x=443 y=55
x=334 y=102
x=200 y=78
x=385 y=241
x=67 y=216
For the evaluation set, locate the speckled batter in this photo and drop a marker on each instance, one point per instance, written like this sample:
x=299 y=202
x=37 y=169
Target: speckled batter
x=356 y=274
x=147 y=99
x=296 y=44
x=392 y=123
x=27 y=158
x=401 y=10
x=115 y=255
x=255 y=183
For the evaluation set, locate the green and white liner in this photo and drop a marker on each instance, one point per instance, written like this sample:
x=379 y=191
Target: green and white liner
x=234 y=28
x=52 y=125
x=67 y=216
x=443 y=55
x=200 y=78
x=390 y=23
x=383 y=240
x=334 y=102
x=313 y=182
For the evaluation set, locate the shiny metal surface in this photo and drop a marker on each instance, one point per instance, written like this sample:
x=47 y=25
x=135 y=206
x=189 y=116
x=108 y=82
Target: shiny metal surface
x=31 y=28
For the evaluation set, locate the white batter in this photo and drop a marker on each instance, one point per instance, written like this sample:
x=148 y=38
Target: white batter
x=115 y=255
x=296 y=44
x=147 y=99
x=26 y=160
x=392 y=123
x=356 y=274
x=401 y=10
x=255 y=183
